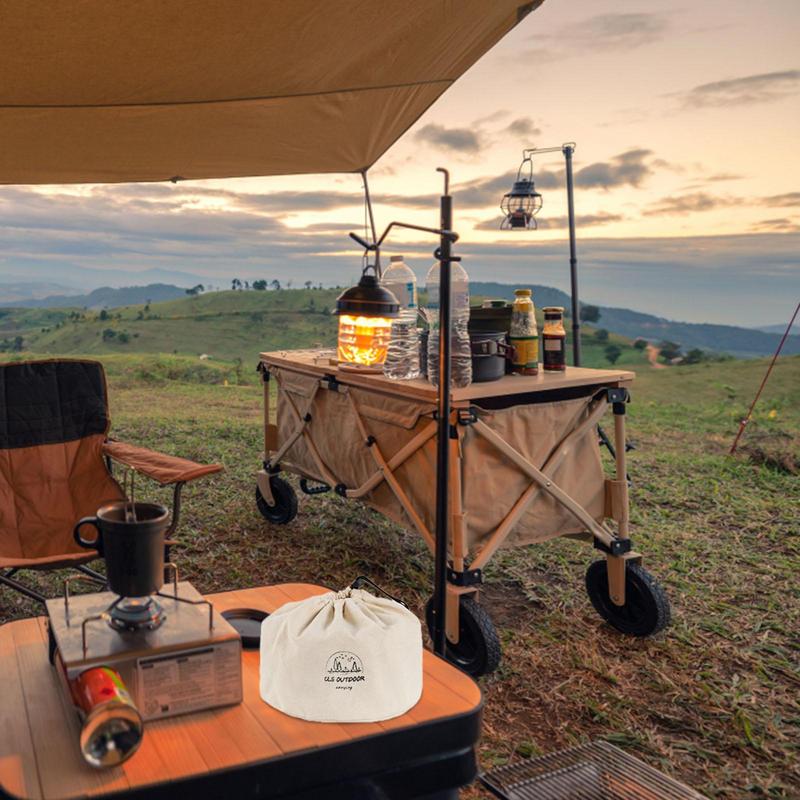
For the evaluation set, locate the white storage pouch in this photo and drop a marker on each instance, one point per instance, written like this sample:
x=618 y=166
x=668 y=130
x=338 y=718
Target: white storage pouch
x=344 y=656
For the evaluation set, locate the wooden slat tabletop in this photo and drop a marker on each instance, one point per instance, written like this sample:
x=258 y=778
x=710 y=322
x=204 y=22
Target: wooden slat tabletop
x=39 y=756
x=307 y=361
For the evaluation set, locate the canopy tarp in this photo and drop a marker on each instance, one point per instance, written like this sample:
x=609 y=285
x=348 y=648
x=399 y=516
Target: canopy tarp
x=93 y=91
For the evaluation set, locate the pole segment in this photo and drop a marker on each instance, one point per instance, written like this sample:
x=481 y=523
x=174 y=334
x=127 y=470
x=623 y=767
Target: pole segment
x=568 y=150
x=743 y=424
x=443 y=438
x=368 y=199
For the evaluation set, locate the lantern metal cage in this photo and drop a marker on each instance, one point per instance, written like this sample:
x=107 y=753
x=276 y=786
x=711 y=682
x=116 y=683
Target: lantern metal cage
x=521 y=205
x=365 y=314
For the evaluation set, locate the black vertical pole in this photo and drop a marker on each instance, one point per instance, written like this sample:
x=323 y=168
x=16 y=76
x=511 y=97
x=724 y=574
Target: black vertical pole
x=568 y=149
x=443 y=439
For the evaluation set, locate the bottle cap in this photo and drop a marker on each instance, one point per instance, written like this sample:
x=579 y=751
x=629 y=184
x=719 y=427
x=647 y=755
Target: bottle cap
x=522 y=292
x=396 y=258
x=553 y=309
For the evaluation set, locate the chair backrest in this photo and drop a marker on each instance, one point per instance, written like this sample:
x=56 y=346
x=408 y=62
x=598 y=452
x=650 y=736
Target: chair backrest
x=53 y=422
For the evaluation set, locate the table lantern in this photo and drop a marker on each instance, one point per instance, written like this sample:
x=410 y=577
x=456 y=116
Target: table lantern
x=365 y=316
x=521 y=205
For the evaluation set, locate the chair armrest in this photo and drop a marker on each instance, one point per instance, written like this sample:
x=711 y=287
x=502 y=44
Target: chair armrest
x=158 y=466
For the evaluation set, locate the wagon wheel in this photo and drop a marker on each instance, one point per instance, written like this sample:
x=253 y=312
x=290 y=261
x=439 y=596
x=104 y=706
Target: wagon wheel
x=478 y=648
x=646 y=610
x=285 y=508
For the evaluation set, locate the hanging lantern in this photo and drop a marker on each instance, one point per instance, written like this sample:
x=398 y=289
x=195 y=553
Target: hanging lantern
x=365 y=315
x=521 y=205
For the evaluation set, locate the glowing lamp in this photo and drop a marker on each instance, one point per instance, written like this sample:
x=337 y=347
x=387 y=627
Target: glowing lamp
x=521 y=205
x=365 y=315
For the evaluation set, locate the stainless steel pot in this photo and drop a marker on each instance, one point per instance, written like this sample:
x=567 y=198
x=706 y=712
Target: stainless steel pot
x=490 y=354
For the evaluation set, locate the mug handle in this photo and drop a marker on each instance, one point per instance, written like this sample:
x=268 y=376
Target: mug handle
x=97 y=544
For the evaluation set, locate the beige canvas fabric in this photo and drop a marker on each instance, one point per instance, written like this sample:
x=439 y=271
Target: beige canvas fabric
x=342 y=657
x=490 y=483
x=44 y=490
x=148 y=90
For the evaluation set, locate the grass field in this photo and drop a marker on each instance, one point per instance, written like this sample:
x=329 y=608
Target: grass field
x=227 y=326
x=713 y=701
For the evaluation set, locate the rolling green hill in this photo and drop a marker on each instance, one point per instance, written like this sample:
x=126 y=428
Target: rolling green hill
x=226 y=326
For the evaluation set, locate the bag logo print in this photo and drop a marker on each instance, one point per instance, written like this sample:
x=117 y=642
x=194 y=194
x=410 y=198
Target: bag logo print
x=343 y=669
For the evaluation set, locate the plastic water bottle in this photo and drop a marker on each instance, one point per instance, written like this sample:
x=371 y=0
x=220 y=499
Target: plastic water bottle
x=402 y=356
x=460 y=351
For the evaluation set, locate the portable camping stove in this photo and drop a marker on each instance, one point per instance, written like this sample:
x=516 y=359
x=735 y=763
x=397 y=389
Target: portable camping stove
x=174 y=653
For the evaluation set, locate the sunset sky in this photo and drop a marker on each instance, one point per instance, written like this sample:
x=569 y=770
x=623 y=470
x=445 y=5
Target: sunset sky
x=686 y=119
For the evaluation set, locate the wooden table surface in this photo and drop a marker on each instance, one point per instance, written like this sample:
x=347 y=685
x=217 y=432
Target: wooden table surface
x=39 y=755
x=310 y=362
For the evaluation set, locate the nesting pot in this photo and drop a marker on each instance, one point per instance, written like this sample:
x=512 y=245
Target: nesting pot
x=491 y=354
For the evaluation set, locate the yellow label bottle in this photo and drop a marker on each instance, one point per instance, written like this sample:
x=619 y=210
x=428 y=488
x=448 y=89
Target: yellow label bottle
x=524 y=335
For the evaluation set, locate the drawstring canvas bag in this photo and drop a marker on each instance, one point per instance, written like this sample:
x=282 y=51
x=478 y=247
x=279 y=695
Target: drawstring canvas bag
x=344 y=656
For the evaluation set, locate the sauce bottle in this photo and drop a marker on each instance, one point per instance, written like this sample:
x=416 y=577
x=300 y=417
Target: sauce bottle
x=554 y=339
x=524 y=335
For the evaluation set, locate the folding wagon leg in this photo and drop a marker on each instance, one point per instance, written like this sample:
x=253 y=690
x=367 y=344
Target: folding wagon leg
x=621 y=590
x=616 y=565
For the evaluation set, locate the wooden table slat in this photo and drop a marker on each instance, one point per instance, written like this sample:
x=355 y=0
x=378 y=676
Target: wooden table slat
x=18 y=773
x=54 y=724
x=420 y=389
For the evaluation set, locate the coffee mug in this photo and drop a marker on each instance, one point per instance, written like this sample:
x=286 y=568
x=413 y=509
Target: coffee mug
x=133 y=551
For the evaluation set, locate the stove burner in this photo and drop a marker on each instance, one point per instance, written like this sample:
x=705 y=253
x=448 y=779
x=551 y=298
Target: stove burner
x=135 y=614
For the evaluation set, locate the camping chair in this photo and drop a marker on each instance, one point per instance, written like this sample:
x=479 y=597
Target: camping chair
x=56 y=465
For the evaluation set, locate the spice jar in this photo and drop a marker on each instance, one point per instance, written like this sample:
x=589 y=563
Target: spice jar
x=554 y=339
x=524 y=335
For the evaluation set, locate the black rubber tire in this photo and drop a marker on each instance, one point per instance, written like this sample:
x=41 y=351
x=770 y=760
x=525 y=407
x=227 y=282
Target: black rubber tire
x=646 y=610
x=478 y=649
x=285 y=508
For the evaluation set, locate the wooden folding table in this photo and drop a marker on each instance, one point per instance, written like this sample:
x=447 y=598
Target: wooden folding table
x=246 y=751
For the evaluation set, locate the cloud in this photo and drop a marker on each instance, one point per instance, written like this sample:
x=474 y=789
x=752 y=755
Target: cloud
x=599 y=33
x=630 y=168
x=523 y=126
x=185 y=195
x=781 y=225
x=626 y=169
x=557 y=223
x=87 y=238
x=762 y=88
x=458 y=140
x=724 y=176
x=623 y=31
x=788 y=199
x=680 y=205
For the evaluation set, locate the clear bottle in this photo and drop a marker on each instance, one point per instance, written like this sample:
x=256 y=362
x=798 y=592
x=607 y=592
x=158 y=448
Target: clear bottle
x=402 y=357
x=460 y=351
x=524 y=335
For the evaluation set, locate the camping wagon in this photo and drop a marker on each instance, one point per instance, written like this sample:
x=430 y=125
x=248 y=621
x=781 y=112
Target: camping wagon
x=525 y=467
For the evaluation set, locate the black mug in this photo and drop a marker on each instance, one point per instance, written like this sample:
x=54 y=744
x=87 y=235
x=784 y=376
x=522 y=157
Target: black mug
x=133 y=551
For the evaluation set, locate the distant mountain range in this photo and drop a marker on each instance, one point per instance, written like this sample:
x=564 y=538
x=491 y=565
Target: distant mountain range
x=780 y=328
x=106 y=297
x=740 y=342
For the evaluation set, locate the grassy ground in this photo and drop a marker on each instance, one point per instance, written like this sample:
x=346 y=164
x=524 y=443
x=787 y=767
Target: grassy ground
x=714 y=701
x=223 y=325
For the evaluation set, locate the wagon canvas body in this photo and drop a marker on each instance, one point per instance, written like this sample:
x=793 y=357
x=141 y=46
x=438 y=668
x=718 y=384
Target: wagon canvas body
x=525 y=462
